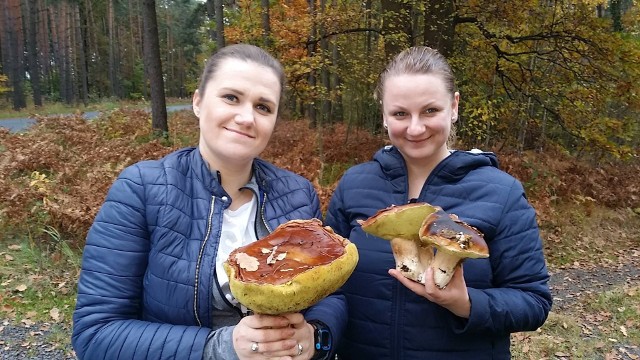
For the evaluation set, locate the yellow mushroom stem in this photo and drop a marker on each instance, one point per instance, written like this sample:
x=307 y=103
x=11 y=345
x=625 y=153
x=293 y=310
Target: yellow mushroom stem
x=444 y=265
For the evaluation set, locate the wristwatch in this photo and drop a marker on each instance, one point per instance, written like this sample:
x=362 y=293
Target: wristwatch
x=322 y=340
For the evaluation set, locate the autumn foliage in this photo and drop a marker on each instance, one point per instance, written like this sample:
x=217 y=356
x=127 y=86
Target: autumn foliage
x=58 y=173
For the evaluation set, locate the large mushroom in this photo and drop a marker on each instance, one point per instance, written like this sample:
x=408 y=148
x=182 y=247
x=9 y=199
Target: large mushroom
x=400 y=224
x=290 y=269
x=454 y=241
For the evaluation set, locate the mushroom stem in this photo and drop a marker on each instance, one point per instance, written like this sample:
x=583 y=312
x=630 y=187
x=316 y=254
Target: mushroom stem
x=444 y=265
x=412 y=259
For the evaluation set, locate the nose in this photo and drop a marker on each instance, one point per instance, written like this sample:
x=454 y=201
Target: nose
x=416 y=127
x=244 y=114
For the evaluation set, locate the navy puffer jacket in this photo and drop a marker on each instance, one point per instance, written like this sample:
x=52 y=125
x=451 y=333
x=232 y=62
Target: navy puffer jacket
x=145 y=289
x=508 y=291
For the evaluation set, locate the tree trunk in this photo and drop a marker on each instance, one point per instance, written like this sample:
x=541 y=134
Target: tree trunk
x=113 y=64
x=439 y=27
x=211 y=16
x=266 y=23
x=311 y=49
x=396 y=26
x=616 y=15
x=82 y=57
x=12 y=53
x=219 y=13
x=324 y=71
x=153 y=65
x=32 y=53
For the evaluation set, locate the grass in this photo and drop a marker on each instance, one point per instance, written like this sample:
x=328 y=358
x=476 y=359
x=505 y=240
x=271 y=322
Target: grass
x=599 y=325
x=38 y=282
x=583 y=235
x=38 y=274
x=603 y=326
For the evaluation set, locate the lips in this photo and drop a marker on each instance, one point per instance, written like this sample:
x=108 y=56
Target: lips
x=240 y=133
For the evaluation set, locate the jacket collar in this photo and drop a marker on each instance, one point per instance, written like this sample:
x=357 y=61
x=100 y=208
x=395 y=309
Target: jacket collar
x=211 y=179
x=453 y=168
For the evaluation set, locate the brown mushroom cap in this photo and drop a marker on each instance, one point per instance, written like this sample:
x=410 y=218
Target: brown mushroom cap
x=292 y=268
x=448 y=233
x=398 y=221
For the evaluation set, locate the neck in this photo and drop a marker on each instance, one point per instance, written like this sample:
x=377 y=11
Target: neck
x=232 y=178
x=418 y=172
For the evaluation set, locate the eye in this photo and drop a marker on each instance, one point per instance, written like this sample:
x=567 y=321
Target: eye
x=264 y=108
x=431 y=111
x=230 y=97
x=399 y=114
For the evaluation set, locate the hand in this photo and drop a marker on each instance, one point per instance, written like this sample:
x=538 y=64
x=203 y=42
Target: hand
x=454 y=297
x=274 y=337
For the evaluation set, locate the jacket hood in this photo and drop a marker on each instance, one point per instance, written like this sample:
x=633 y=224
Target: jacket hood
x=451 y=169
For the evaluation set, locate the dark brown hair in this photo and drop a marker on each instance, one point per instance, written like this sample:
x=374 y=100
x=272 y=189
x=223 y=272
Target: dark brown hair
x=244 y=52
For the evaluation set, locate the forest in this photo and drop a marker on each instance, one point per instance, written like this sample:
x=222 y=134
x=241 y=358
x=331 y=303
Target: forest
x=550 y=86
x=533 y=74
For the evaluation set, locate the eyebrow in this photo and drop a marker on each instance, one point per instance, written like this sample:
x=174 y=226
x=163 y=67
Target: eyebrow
x=262 y=99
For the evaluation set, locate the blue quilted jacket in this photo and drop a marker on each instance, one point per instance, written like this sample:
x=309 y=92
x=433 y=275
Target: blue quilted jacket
x=508 y=291
x=145 y=289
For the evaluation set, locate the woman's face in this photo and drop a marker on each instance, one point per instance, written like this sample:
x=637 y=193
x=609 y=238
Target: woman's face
x=237 y=112
x=419 y=111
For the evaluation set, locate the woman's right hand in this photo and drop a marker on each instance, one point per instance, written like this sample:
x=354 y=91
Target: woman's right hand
x=256 y=335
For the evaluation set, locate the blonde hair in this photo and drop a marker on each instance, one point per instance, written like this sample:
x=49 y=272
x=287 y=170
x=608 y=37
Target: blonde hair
x=417 y=60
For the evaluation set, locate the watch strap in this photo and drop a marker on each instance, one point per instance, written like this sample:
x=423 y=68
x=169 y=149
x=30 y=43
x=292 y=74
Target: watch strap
x=322 y=340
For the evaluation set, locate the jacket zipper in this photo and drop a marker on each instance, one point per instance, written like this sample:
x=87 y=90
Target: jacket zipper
x=264 y=221
x=199 y=263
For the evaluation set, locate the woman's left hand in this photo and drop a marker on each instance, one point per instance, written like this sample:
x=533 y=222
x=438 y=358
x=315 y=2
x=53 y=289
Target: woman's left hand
x=303 y=335
x=454 y=297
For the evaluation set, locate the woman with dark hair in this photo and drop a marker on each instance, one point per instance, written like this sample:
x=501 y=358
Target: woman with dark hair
x=152 y=284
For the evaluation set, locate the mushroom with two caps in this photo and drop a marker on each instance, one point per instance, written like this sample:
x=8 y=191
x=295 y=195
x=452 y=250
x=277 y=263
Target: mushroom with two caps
x=417 y=231
x=400 y=225
x=292 y=268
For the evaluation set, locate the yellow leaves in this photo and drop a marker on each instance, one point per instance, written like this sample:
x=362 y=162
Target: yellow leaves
x=39 y=181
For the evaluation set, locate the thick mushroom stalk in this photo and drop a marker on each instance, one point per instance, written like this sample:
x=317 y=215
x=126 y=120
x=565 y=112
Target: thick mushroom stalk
x=400 y=225
x=412 y=258
x=454 y=241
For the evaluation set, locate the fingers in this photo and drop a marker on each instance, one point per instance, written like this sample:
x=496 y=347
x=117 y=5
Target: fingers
x=258 y=321
x=295 y=319
x=416 y=287
x=285 y=336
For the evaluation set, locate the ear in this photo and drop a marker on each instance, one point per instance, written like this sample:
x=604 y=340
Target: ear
x=454 y=106
x=195 y=102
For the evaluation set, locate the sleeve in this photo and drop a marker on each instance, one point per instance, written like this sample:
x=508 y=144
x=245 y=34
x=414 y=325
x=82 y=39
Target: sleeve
x=106 y=321
x=520 y=299
x=220 y=345
x=336 y=217
x=332 y=311
x=315 y=202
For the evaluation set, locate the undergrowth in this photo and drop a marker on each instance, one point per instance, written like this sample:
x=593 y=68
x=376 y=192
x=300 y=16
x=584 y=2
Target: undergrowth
x=54 y=178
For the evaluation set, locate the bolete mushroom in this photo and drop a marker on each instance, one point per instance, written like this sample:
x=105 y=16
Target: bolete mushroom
x=400 y=224
x=454 y=241
x=292 y=268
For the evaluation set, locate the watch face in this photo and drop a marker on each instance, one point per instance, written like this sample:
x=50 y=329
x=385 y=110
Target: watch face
x=324 y=340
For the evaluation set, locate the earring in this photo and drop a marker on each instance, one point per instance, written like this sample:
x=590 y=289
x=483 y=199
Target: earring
x=196 y=111
x=386 y=127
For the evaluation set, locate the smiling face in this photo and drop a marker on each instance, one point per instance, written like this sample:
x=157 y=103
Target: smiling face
x=419 y=110
x=237 y=112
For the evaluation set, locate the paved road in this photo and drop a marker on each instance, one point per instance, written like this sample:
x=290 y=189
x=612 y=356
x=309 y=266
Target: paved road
x=23 y=124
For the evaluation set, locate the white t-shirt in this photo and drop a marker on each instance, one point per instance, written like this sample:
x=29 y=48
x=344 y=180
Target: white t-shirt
x=238 y=229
